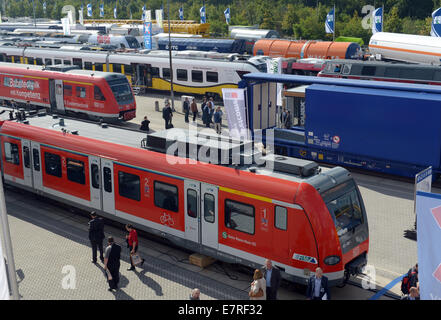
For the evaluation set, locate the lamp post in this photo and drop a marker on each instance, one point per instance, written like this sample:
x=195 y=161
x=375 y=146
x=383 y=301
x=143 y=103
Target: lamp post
x=172 y=95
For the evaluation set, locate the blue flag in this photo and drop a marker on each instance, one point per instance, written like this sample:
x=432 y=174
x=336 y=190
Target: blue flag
x=181 y=13
x=148 y=35
x=377 y=22
x=203 y=19
x=101 y=10
x=143 y=13
x=89 y=10
x=329 y=24
x=44 y=6
x=436 y=23
x=114 y=13
x=227 y=15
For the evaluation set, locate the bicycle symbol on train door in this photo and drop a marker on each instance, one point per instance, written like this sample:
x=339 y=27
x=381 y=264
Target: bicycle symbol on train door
x=167 y=220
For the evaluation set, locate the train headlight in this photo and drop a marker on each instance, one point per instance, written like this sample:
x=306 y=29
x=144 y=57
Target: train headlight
x=332 y=260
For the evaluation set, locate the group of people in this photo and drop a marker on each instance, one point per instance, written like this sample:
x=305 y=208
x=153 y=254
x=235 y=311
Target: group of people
x=285 y=119
x=410 y=285
x=210 y=113
x=111 y=256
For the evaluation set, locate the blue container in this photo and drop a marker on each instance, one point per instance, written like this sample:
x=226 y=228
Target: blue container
x=202 y=44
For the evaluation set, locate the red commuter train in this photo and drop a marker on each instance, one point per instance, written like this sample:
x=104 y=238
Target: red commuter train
x=238 y=214
x=66 y=90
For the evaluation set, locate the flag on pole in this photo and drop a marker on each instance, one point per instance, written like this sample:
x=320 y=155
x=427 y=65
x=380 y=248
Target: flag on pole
x=227 y=15
x=143 y=13
x=159 y=20
x=148 y=16
x=114 y=12
x=181 y=13
x=202 y=11
x=102 y=10
x=377 y=22
x=436 y=23
x=44 y=7
x=329 y=24
x=89 y=10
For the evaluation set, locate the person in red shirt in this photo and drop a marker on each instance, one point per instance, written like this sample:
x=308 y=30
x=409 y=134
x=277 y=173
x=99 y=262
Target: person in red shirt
x=132 y=242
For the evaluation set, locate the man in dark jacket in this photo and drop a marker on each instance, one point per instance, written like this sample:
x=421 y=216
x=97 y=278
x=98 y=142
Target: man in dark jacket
x=112 y=263
x=272 y=277
x=318 y=286
x=186 y=108
x=96 y=235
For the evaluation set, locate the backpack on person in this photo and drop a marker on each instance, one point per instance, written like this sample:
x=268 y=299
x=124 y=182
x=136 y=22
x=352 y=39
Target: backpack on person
x=406 y=281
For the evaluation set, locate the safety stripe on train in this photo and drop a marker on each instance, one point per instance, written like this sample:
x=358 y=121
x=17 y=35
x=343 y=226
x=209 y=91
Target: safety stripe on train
x=406 y=50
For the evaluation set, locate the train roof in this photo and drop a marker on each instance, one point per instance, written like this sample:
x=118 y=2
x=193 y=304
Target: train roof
x=92 y=139
x=384 y=63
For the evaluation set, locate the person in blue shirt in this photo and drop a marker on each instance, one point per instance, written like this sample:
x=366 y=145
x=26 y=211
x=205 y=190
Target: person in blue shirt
x=218 y=120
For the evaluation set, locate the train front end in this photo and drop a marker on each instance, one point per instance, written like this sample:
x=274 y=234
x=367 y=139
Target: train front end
x=125 y=103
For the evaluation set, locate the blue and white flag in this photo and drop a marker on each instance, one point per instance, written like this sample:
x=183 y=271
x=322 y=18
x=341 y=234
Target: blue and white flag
x=227 y=15
x=148 y=35
x=89 y=10
x=377 y=21
x=181 y=13
x=143 y=13
x=203 y=19
x=114 y=13
x=330 y=22
x=436 y=23
x=44 y=7
x=101 y=10
x=428 y=210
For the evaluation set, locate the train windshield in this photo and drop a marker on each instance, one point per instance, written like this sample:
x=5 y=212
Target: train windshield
x=259 y=63
x=133 y=42
x=121 y=89
x=344 y=205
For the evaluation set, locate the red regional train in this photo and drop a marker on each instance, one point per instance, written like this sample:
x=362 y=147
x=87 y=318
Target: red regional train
x=66 y=90
x=238 y=214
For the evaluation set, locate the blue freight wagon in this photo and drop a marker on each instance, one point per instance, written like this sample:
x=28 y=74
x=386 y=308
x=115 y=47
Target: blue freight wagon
x=386 y=127
x=202 y=44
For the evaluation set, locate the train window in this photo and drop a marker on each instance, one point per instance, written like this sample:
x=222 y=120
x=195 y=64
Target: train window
x=16 y=59
x=117 y=68
x=81 y=92
x=95 y=176
x=166 y=196
x=12 y=153
x=77 y=62
x=212 y=76
x=437 y=76
x=368 y=71
x=52 y=164
x=209 y=208
x=75 y=171
x=346 y=69
x=392 y=72
x=416 y=73
x=197 y=76
x=67 y=90
x=129 y=186
x=239 y=216
x=48 y=61
x=107 y=179
x=181 y=75
x=166 y=73
x=39 y=61
x=154 y=72
x=27 y=157
x=192 y=203
x=31 y=60
x=36 y=158
x=280 y=218
x=8 y=59
x=88 y=65
x=128 y=69
x=98 y=95
x=7 y=82
x=98 y=66
x=67 y=62
x=57 y=61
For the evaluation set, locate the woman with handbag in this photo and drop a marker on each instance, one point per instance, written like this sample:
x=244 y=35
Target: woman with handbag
x=258 y=286
x=132 y=244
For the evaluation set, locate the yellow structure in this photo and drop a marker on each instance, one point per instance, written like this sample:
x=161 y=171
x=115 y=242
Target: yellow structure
x=177 y=26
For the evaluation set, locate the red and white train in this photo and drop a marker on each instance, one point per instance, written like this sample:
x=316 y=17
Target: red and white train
x=62 y=89
x=241 y=214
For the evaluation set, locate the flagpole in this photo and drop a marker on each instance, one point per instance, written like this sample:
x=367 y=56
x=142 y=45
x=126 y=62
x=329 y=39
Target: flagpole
x=8 y=245
x=382 y=18
x=335 y=24
x=170 y=57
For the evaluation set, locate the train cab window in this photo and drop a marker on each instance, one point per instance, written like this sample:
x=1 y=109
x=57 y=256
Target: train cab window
x=212 y=76
x=197 y=76
x=48 y=61
x=95 y=176
x=98 y=95
x=39 y=61
x=154 y=72
x=181 y=75
x=166 y=73
x=67 y=62
x=281 y=218
x=129 y=186
x=98 y=66
x=166 y=196
x=192 y=203
x=26 y=157
x=36 y=159
x=209 y=208
x=117 y=68
x=75 y=171
x=107 y=179
x=77 y=62
x=52 y=164
x=239 y=216
x=81 y=92
x=57 y=61
x=67 y=90
x=88 y=65
x=12 y=153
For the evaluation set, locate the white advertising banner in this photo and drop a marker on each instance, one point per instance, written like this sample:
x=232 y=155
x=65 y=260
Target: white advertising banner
x=428 y=208
x=235 y=108
x=80 y=17
x=158 y=15
x=66 y=26
x=148 y=16
x=423 y=182
x=274 y=66
x=4 y=289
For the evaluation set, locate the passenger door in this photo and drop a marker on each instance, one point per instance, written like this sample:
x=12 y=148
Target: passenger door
x=27 y=162
x=59 y=95
x=108 y=194
x=37 y=175
x=209 y=215
x=95 y=182
x=192 y=210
